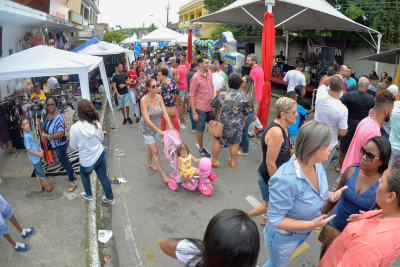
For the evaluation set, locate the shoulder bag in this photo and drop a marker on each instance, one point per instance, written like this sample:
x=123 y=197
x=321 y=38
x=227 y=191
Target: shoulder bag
x=171 y=111
x=215 y=128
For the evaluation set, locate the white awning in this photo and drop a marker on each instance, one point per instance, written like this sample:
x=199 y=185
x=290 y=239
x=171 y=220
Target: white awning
x=288 y=15
x=161 y=35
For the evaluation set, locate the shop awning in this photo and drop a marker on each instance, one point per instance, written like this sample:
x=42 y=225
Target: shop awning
x=389 y=57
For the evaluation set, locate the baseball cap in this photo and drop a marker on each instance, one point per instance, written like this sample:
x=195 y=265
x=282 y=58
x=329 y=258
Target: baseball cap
x=171 y=59
x=393 y=89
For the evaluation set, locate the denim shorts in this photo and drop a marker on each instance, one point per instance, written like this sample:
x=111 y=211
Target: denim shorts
x=203 y=118
x=184 y=94
x=264 y=188
x=39 y=170
x=124 y=101
x=6 y=212
x=149 y=139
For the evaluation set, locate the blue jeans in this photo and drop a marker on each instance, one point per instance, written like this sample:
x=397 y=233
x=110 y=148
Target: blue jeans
x=100 y=167
x=277 y=66
x=62 y=156
x=245 y=135
x=191 y=118
x=281 y=245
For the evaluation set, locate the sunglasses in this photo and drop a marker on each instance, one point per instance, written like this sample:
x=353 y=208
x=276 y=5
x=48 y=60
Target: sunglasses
x=155 y=86
x=292 y=112
x=50 y=105
x=370 y=156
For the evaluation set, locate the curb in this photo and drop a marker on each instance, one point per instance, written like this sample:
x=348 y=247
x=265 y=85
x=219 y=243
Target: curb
x=92 y=219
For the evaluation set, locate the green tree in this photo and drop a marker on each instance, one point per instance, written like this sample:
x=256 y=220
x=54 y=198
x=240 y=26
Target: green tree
x=215 y=5
x=112 y=35
x=152 y=27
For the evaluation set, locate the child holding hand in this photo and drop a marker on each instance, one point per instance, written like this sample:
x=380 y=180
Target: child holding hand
x=185 y=163
x=35 y=154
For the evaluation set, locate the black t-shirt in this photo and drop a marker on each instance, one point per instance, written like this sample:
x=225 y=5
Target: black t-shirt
x=353 y=88
x=189 y=77
x=120 y=79
x=305 y=104
x=299 y=60
x=358 y=104
x=281 y=59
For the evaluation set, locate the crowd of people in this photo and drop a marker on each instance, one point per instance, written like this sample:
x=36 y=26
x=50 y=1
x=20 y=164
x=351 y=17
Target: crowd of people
x=351 y=113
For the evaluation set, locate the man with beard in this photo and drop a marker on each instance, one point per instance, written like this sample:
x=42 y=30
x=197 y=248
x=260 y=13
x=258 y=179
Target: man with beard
x=369 y=127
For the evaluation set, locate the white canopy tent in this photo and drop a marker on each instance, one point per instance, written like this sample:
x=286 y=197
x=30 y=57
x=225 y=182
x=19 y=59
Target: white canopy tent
x=47 y=61
x=130 y=40
x=103 y=48
x=182 y=41
x=289 y=15
x=161 y=35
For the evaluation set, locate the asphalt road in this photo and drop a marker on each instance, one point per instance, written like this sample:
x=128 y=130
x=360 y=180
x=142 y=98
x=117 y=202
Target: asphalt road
x=147 y=211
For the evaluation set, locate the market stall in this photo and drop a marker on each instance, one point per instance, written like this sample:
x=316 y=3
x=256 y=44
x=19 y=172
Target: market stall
x=46 y=61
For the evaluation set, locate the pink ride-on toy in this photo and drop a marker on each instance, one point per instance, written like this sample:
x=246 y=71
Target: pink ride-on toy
x=172 y=140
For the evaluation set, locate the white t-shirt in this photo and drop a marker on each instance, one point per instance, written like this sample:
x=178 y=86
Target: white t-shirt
x=186 y=250
x=294 y=77
x=332 y=112
x=323 y=91
x=218 y=81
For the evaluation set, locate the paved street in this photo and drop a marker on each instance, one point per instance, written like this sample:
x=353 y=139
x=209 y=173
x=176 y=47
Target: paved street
x=147 y=211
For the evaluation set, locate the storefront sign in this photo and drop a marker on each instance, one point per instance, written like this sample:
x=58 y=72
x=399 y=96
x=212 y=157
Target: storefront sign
x=58 y=10
x=75 y=17
x=314 y=44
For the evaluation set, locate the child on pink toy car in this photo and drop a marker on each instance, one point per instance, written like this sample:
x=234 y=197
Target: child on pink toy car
x=185 y=163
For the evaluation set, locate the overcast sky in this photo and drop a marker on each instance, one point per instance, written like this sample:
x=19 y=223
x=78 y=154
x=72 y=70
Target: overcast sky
x=132 y=13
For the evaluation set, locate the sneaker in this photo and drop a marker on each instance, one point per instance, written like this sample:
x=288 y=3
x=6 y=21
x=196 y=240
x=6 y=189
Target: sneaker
x=129 y=119
x=335 y=158
x=108 y=201
x=137 y=119
x=194 y=129
x=29 y=232
x=205 y=153
x=21 y=247
x=184 y=121
x=251 y=136
x=124 y=122
x=260 y=131
x=83 y=194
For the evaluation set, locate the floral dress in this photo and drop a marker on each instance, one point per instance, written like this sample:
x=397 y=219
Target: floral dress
x=169 y=91
x=140 y=89
x=236 y=106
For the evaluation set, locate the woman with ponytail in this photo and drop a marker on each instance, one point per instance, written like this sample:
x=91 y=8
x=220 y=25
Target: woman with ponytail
x=87 y=135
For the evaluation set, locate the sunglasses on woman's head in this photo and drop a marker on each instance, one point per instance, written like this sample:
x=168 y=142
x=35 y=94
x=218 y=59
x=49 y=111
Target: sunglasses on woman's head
x=370 y=156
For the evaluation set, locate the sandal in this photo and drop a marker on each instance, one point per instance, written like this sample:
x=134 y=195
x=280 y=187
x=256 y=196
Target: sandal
x=215 y=164
x=41 y=188
x=51 y=188
x=233 y=165
x=337 y=168
x=69 y=190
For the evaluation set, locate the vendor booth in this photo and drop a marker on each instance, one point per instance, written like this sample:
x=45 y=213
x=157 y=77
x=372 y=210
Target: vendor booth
x=111 y=54
x=46 y=61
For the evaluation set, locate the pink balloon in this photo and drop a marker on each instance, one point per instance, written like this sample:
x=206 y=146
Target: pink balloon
x=205 y=164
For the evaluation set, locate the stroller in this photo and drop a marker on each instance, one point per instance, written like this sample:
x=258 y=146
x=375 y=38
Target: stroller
x=172 y=140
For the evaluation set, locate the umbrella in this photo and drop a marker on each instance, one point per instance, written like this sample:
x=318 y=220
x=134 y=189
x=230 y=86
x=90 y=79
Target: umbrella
x=267 y=54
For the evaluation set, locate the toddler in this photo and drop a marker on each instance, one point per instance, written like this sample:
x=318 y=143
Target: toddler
x=35 y=154
x=185 y=163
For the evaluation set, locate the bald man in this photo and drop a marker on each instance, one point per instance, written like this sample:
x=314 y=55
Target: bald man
x=358 y=103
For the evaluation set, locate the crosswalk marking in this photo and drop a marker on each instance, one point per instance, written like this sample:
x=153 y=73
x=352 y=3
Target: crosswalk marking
x=253 y=201
x=183 y=126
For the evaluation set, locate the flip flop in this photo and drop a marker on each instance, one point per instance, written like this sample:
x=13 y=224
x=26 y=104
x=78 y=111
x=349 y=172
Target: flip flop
x=69 y=190
x=233 y=165
x=215 y=164
x=336 y=168
x=41 y=188
x=51 y=188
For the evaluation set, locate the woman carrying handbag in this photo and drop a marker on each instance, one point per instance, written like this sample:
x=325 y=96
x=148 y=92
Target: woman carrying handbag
x=234 y=107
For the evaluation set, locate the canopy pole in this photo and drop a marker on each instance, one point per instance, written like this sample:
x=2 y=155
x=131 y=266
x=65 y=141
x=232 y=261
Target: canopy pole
x=378 y=50
x=287 y=47
x=277 y=25
x=253 y=16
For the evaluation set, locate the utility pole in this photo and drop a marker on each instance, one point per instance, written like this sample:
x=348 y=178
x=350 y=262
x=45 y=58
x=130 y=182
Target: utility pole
x=167 y=8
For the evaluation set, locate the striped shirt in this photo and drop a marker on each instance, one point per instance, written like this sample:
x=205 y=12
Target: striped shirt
x=54 y=126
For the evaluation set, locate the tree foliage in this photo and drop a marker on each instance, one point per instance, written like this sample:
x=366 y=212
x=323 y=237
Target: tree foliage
x=215 y=5
x=112 y=35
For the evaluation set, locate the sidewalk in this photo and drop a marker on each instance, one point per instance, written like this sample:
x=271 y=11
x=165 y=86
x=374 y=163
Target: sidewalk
x=59 y=218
